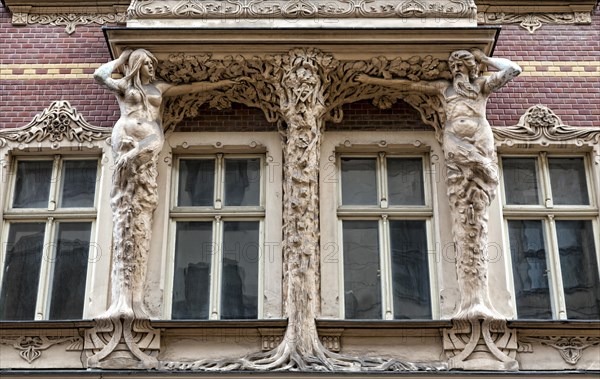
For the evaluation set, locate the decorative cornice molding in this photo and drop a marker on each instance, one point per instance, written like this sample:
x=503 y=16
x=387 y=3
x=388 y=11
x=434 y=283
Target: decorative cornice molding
x=539 y=125
x=570 y=347
x=60 y=121
x=300 y=9
x=69 y=20
x=533 y=21
x=31 y=347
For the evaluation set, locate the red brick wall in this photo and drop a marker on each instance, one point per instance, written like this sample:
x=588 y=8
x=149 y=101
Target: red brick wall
x=574 y=99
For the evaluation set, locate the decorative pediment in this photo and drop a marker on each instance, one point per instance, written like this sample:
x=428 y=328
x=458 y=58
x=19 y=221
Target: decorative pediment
x=539 y=125
x=59 y=122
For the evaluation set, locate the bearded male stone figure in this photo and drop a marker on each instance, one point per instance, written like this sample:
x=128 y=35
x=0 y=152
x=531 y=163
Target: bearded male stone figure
x=471 y=164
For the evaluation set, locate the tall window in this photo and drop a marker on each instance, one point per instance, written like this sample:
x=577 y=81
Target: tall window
x=552 y=224
x=385 y=214
x=217 y=216
x=47 y=229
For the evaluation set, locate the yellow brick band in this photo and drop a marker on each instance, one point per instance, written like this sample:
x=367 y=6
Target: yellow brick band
x=58 y=71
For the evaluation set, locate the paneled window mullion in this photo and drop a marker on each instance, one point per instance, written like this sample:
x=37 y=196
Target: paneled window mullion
x=41 y=308
x=386 y=268
x=217 y=265
x=556 y=283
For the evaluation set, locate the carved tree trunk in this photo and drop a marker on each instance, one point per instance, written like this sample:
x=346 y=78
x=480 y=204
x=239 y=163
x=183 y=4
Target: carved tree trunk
x=472 y=179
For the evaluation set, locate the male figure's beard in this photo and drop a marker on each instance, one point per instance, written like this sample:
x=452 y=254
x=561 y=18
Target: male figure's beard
x=463 y=86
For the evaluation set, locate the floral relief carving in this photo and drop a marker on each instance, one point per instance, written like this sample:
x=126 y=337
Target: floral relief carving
x=539 y=124
x=533 y=21
x=31 y=347
x=69 y=20
x=298 y=9
x=570 y=347
x=60 y=121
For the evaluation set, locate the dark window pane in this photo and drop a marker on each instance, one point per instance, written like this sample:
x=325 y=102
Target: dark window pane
x=567 y=177
x=24 y=250
x=530 y=272
x=70 y=270
x=196 y=182
x=362 y=279
x=32 y=186
x=78 y=183
x=520 y=181
x=405 y=181
x=191 y=277
x=359 y=181
x=410 y=270
x=579 y=269
x=242 y=181
x=239 y=282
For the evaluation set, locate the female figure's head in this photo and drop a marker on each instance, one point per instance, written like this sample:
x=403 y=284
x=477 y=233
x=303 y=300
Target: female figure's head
x=141 y=66
x=140 y=70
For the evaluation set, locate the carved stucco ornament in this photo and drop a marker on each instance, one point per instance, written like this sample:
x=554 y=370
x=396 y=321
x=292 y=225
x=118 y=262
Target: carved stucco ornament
x=63 y=17
x=60 y=121
x=30 y=347
x=481 y=344
x=299 y=91
x=533 y=21
x=541 y=126
x=300 y=9
x=570 y=347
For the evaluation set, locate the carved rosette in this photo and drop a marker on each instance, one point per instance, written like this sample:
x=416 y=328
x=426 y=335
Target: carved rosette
x=300 y=9
x=533 y=21
x=60 y=121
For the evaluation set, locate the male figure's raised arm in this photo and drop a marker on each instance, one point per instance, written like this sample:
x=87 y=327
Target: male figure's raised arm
x=434 y=87
x=507 y=70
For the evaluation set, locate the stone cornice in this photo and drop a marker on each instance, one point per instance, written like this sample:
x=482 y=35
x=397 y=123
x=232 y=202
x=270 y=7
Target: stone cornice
x=300 y=8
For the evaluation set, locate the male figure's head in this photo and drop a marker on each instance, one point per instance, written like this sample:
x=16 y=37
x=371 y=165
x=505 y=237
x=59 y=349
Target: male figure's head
x=464 y=67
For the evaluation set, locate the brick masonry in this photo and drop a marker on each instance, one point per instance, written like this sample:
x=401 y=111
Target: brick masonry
x=39 y=64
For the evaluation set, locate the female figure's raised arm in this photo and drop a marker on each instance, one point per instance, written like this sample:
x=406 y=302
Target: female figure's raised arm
x=103 y=74
x=184 y=89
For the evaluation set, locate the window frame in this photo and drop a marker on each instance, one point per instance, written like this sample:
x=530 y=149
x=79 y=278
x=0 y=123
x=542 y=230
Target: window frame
x=388 y=145
x=265 y=145
x=548 y=213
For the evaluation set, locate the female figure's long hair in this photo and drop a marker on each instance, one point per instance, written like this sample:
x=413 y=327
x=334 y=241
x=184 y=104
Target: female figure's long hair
x=132 y=71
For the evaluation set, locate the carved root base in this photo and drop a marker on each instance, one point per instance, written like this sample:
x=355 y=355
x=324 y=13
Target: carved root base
x=287 y=357
x=478 y=344
x=122 y=344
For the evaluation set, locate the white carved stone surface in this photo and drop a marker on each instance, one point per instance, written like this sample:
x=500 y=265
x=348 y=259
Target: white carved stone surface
x=300 y=9
x=69 y=20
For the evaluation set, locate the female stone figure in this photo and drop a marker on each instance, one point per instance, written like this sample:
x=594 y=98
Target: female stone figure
x=137 y=139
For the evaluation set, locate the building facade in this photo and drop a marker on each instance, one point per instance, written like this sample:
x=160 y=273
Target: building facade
x=300 y=186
